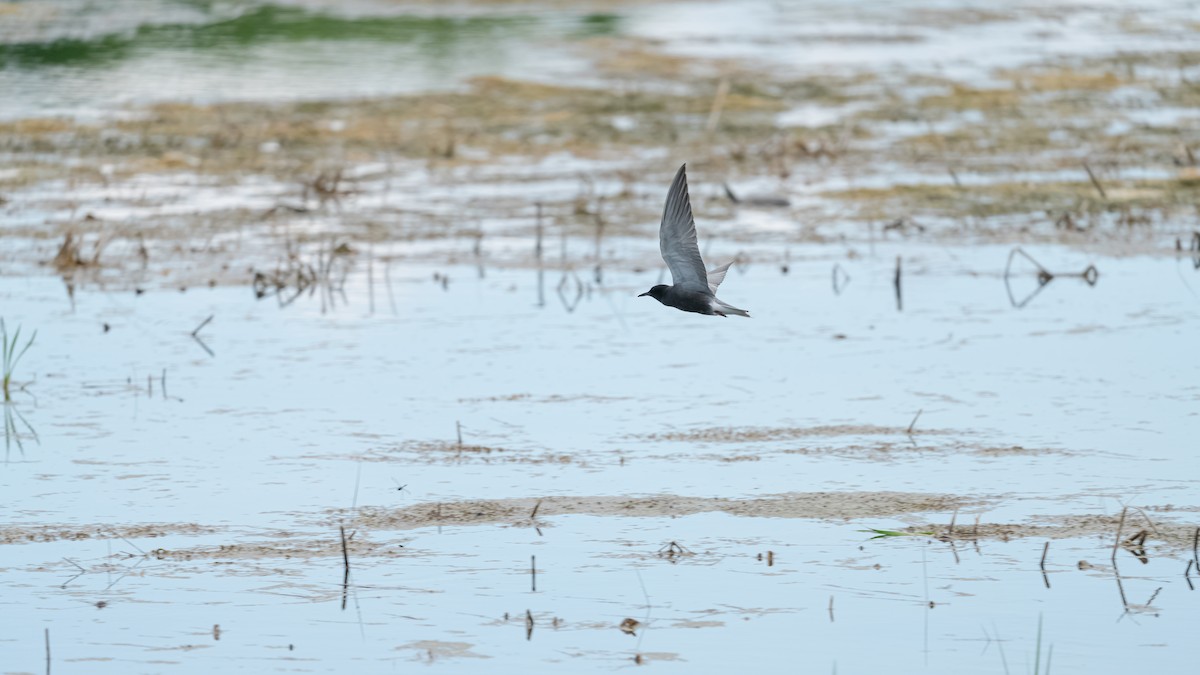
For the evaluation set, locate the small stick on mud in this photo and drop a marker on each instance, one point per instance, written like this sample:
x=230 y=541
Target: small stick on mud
x=831 y=609
x=47 y=651
x=913 y=422
x=953 y=518
x=1117 y=541
x=458 y=431
x=896 y=281
x=533 y=573
x=346 y=563
x=345 y=552
x=533 y=517
x=1095 y=181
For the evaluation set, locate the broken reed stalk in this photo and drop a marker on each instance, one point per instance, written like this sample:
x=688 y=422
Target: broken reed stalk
x=203 y=324
x=536 y=506
x=953 y=518
x=533 y=573
x=346 y=564
x=914 y=421
x=1117 y=542
x=1042 y=565
x=458 y=430
x=1196 y=548
x=1095 y=181
x=345 y=553
x=47 y=651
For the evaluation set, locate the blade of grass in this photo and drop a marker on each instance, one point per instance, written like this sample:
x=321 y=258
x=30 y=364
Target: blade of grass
x=10 y=356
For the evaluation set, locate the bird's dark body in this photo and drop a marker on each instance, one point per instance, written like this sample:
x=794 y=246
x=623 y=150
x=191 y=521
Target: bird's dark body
x=679 y=298
x=694 y=288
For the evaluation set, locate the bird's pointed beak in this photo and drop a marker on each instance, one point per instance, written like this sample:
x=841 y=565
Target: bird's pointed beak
x=642 y=295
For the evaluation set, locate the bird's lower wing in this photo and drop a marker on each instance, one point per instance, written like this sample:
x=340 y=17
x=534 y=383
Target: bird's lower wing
x=717 y=275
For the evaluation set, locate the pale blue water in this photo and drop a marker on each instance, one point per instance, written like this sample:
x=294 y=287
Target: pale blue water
x=265 y=436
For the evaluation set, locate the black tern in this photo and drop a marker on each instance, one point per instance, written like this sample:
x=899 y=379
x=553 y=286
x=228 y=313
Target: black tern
x=694 y=290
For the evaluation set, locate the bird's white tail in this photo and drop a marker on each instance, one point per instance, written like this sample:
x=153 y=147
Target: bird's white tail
x=724 y=309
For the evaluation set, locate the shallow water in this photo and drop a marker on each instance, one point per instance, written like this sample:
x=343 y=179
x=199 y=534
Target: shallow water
x=305 y=418
x=180 y=459
x=957 y=39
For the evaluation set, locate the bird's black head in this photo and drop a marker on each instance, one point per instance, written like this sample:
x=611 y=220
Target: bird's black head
x=658 y=292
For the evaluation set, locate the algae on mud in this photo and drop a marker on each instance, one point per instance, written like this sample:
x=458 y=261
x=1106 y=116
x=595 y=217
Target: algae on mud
x=862 y=171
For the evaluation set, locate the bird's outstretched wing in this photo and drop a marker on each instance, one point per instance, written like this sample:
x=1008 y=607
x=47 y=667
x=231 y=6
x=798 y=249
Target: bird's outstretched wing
x=677 y=238
x=716 y=275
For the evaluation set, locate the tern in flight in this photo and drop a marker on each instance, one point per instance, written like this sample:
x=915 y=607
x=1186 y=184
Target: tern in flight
x=693 y=289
